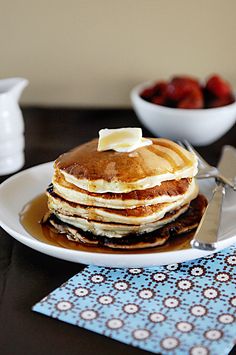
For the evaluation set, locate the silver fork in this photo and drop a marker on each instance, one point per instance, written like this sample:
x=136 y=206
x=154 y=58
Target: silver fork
x=205 y=170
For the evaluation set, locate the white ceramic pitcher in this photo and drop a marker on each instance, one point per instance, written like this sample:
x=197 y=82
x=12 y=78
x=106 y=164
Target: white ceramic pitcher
x=11 y=125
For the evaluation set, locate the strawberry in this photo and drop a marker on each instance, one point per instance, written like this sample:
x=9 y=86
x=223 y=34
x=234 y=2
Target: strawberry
x=180 y=86
x=218 y=86
x=220 y=101
x=160 y=88
x=192 y=100
x=146 y=94
x=159 y=100
x=156 y=90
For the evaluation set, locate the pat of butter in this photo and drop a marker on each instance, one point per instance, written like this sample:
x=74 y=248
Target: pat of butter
x=121 y=139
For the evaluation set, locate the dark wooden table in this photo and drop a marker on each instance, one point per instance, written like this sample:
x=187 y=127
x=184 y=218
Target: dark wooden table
x=26 y=276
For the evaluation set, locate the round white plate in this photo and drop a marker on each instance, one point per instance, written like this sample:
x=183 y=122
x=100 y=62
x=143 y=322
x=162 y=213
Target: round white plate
x=18 y=190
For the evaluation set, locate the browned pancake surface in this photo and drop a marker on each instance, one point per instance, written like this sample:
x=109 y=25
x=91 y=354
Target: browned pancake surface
x=85 y=162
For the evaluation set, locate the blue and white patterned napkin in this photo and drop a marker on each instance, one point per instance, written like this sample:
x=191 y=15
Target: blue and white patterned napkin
x=184 y=308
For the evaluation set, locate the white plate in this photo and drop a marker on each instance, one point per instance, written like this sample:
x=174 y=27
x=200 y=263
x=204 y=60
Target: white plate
x=18 y=190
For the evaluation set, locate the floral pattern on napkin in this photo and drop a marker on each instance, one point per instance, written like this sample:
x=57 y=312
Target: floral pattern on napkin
x=186 y=308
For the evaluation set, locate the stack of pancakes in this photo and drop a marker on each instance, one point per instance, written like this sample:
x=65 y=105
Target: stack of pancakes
x=125 y=200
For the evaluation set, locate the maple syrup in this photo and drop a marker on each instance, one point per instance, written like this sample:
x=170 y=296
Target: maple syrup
x=34 y=211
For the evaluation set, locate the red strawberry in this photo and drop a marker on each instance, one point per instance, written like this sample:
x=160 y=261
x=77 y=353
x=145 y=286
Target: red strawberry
x=193 y=100
x=180 y=86
x=160 y=88
x=218 y=86
x=146 y=94
x=159 y=100
x=156 y=90
x=220 y=101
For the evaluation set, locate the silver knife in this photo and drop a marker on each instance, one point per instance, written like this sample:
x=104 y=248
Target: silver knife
x=207 y=232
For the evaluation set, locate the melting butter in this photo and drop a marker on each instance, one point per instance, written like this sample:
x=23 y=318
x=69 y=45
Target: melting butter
x=121 y=139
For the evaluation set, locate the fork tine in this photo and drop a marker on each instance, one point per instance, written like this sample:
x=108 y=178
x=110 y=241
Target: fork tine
x=186 y=145
x=189 y=147
x=192 y=150
x=181 y=144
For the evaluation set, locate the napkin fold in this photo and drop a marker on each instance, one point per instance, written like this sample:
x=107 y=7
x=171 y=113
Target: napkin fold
x=186 y=308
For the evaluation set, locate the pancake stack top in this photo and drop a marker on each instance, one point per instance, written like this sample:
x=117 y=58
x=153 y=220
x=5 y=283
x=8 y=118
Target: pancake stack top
x=119 y=199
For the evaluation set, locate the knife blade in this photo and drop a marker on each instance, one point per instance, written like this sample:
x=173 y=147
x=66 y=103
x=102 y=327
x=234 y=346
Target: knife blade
x=207 y=232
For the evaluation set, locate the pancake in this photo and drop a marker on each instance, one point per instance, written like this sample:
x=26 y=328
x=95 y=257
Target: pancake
x=124 y=199
x=138 y=215
x=110 y=171
x=185 y=223
x=119 y=230
x=167 y=191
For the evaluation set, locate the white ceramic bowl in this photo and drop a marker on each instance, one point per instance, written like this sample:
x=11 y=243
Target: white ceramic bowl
x=199 y=126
